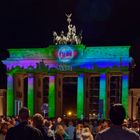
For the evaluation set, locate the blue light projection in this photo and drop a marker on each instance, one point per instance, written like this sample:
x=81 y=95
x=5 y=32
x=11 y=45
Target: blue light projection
x=102 y=94
x=125 y=92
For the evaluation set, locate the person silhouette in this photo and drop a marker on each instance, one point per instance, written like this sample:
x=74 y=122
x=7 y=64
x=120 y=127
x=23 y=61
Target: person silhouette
x=117 y=131
x=24 y=131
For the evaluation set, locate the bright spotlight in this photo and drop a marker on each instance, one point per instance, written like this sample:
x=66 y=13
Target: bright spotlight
x=69 y=113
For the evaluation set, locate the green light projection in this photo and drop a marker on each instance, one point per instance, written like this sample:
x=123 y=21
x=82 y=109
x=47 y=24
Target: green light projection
x=30 y=95
x=10 y=96
x=125 y=93
x=31 y=53
x=51 y=102
x=102 y=95
x=107 y=52
x=80 y=96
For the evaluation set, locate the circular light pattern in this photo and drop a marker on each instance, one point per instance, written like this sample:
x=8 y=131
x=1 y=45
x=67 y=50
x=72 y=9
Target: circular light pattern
x=65 y=54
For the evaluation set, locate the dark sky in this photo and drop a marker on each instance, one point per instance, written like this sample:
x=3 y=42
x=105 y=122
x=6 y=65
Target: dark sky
x=29 y=23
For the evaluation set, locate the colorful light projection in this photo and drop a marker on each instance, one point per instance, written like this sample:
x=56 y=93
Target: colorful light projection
x=103 y=64
x=80 y=96
x=102 y=94
x=30 y=97
x=65 y=53
x=10 y=96
x=125 y=93
x=51 y=102
x=91 y=59
x=109 y=57
x=112 y=57
x=31 y=53
x=107 y=52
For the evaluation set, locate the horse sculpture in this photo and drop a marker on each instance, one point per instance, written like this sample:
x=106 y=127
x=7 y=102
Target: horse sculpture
x=71 y=37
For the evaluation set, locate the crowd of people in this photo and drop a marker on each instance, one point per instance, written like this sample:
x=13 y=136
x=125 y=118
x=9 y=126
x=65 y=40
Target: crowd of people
x=24 y=127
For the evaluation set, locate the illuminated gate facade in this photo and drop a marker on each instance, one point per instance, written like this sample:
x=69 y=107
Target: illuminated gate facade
x=35 y=77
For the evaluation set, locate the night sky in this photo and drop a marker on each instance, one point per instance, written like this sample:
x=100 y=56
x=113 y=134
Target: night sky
x=30 y=23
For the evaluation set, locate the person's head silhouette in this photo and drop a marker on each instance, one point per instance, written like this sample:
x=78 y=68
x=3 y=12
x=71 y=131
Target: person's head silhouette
x=117 y=130
x=24 y=114
x=117 y=114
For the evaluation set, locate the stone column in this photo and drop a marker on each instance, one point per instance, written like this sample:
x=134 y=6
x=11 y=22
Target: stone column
x=10 y=96
x=80 y=97
x=86 y=95
x=59 y=94
x=30 y=94
x=51 y=98
x=102 y=96
x=38 y=93
x=125 y=93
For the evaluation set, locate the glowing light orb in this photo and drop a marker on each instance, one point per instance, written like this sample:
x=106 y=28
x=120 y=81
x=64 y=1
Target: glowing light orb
x=69 y=113
x=65 y=54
